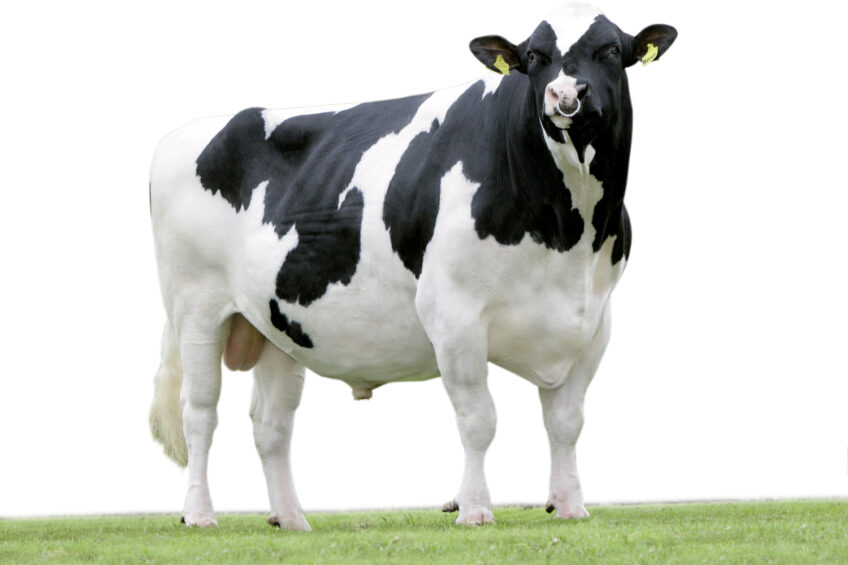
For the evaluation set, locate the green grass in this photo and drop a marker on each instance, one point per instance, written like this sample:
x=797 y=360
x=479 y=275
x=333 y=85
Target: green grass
x=747 y=532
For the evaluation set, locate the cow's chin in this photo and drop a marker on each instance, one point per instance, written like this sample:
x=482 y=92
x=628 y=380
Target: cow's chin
x=560 y=122
x=586 y=124
x=557 y=127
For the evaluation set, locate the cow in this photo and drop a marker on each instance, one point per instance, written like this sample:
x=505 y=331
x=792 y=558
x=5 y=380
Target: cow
x=402 y=240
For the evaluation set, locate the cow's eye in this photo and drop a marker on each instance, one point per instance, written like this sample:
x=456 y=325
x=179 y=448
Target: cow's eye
x=615 y=51
x=538 y=58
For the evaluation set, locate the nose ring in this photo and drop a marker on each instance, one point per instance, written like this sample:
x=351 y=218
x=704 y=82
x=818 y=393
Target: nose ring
x=572 y=114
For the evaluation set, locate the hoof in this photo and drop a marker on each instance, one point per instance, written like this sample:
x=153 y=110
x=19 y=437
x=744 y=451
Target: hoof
x=294 y=524
x=568 y=513
x=476 y=517
x=451 y=506
x=199 y=520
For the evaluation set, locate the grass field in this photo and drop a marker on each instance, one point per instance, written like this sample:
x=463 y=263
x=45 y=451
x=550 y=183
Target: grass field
x=746 y=532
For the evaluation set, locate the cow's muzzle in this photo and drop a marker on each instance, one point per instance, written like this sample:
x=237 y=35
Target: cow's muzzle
x=570 y=101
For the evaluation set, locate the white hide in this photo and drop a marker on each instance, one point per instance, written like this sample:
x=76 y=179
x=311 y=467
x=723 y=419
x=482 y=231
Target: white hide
x=570 y=22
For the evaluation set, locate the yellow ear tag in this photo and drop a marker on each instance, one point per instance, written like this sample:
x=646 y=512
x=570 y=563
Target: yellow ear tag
x=502 y=65
x=652 y=53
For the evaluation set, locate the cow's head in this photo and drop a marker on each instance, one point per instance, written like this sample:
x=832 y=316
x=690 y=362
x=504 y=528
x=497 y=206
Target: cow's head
x=575 y=61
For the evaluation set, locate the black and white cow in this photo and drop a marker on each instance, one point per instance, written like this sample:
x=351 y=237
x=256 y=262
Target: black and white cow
x=402 y=240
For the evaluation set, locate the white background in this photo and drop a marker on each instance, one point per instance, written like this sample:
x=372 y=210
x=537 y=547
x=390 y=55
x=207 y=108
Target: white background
x=726 y=374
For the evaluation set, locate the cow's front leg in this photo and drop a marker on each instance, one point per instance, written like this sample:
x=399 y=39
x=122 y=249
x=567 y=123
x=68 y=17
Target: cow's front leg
x=462 y=362
x=278 y=383
x=562 y=410
x=199 y=398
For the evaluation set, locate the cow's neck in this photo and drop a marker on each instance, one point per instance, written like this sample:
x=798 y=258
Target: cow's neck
x=594 y=172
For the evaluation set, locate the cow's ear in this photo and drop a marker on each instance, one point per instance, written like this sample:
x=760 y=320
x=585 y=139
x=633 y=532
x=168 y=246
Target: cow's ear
x=651 y=43
x=497 y=53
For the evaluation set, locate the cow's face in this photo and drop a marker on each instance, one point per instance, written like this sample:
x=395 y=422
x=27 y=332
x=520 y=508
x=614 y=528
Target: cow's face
x=575 y=61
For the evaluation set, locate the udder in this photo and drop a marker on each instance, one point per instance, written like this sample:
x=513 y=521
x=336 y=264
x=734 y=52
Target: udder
x=244 y=345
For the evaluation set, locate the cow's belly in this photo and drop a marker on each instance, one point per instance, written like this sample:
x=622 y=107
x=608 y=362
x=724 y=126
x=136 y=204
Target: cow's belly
x=365 y=332
x=365 y=354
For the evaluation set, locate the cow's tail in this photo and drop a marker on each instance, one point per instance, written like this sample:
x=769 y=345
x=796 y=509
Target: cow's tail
x=166 y=414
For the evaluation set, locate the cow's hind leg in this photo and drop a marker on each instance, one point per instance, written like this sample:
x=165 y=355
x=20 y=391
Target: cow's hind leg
x=278 y=383
x=562 y=409
x=200 y=350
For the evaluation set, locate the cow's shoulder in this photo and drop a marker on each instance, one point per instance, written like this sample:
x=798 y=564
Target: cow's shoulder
x=519 y=189
x=459 y=135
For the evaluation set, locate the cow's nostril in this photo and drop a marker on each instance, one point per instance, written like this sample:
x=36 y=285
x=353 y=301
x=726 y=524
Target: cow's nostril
x=582 y=91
